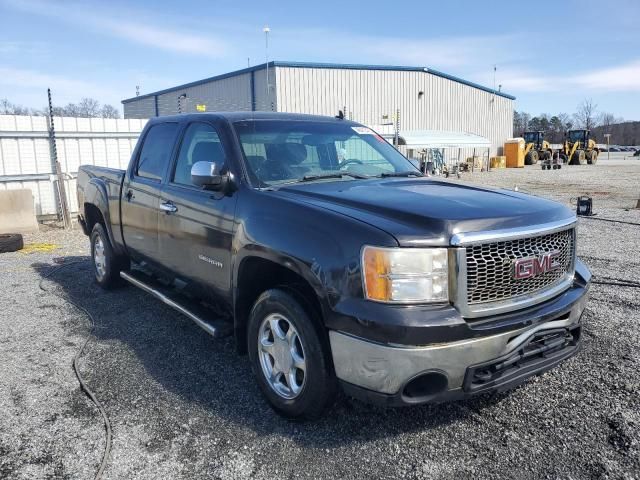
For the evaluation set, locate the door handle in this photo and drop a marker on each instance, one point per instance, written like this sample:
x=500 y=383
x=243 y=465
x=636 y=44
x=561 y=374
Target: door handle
x=129 y=195
x=168 y=207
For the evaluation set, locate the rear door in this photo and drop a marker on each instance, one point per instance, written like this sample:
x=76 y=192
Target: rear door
x=141 y=191
x=196 y=226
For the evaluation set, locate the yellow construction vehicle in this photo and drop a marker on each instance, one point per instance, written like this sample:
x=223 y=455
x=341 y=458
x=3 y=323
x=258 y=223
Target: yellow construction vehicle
x=579 y=148
x=536 y=147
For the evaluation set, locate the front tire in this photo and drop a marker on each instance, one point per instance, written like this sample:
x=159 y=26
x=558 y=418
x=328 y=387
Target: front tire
x=531 y=158
x=290 y=356
x=106 y=264
x=578 y=158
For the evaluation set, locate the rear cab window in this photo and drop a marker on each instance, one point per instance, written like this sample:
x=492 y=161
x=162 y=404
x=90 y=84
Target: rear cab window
x=156 y=150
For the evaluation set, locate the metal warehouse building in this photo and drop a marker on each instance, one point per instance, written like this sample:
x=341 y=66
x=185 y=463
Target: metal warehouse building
x=426 y=99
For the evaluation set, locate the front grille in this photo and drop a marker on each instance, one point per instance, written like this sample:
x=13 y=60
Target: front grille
x=490 y=266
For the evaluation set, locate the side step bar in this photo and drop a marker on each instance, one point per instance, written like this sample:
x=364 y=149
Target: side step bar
x=189 y=309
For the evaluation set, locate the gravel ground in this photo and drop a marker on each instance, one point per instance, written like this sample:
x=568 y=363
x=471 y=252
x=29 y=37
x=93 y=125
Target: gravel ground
x=184 y=405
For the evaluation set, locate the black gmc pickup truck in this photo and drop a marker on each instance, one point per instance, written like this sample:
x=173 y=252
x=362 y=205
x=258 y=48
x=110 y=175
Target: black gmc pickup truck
x=336 y=262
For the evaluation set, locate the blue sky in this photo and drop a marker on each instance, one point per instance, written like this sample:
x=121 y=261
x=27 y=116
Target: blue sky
x=549 y=54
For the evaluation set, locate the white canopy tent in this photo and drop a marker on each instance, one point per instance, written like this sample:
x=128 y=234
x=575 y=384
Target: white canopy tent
x=425 y=142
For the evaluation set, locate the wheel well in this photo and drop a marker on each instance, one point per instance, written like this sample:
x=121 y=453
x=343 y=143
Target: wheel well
x=93 y=215
x=257 y=275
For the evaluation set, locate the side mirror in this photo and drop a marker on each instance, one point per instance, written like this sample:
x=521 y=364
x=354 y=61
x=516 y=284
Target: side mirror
x=207 y=176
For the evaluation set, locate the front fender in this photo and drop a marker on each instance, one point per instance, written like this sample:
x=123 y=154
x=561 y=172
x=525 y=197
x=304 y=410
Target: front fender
x=321 y=246
x=312 y=274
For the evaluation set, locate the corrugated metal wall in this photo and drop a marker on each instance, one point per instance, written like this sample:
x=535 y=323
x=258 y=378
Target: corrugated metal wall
x=25 y=160
x=229 y=94
x=142 y=108
x=266 y=102
x=372 y=97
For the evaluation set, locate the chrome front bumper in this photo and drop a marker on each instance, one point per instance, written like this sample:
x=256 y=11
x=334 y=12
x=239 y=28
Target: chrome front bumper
x=386 y=369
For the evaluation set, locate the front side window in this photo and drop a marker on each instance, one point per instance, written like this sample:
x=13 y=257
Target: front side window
x=281 y=151
x=201 y=143
x=156 y=150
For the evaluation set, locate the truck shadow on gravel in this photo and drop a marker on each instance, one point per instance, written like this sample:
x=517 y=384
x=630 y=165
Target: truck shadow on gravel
x=151 y=366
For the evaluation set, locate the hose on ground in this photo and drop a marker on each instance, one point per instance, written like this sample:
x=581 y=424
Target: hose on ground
x=615 y=284
x=83 y=384
x=593 y=217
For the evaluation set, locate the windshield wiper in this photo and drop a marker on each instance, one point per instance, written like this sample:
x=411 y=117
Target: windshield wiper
x=402 y=174
x=322 y=176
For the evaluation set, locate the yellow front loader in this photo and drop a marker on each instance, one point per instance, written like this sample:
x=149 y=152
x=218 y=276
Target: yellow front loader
x=579 y=148
x=536 y=147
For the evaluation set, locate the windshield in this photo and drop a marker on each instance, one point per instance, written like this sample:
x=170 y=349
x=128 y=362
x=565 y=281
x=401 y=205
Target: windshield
x=279 y=152
x=576 y=136
x=531 y=137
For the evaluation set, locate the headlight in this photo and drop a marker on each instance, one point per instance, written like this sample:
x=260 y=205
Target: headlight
x=405 y=275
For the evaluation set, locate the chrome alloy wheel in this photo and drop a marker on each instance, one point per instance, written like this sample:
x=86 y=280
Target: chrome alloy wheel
x=282 y=356
x=99 y=258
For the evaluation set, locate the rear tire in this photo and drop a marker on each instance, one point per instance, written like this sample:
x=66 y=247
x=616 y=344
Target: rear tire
x=592 y=157
x=11 y=242
x=106 y=264
x=531 y=158
x=290 y=356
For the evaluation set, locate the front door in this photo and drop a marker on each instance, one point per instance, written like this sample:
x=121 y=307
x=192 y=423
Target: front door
x=195 y=225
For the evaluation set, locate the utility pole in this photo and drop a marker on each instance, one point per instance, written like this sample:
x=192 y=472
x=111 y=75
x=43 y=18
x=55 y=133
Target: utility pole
x=63 y=206
x=266 y=31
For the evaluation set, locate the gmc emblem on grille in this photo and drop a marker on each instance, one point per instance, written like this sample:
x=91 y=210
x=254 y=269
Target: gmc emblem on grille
x=533 y=266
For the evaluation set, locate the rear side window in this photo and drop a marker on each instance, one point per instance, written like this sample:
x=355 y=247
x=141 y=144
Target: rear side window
x=156 y=150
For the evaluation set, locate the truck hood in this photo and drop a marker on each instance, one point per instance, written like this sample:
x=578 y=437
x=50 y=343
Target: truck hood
x=427 y=212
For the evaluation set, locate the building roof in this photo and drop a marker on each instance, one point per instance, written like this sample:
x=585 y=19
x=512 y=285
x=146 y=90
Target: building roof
x=347 y=66
x=434 y=138
x=253 y=116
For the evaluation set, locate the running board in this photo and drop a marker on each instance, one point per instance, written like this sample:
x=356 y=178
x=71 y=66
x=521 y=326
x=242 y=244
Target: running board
x=184 y=305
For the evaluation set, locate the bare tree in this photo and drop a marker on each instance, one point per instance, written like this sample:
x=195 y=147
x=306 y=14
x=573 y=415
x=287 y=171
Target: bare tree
x=57 y=111
x=88 y=107
x=109 y=111
x=586 y=116
x=607 y=119
x=5 y=106
x=70 y=110
x=565 y=119
x=8 y=108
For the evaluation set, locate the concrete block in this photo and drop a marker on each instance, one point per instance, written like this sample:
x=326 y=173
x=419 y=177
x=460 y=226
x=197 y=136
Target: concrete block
x=17 y=212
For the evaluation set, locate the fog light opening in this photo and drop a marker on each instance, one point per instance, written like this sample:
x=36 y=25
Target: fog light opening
x=425 y=385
